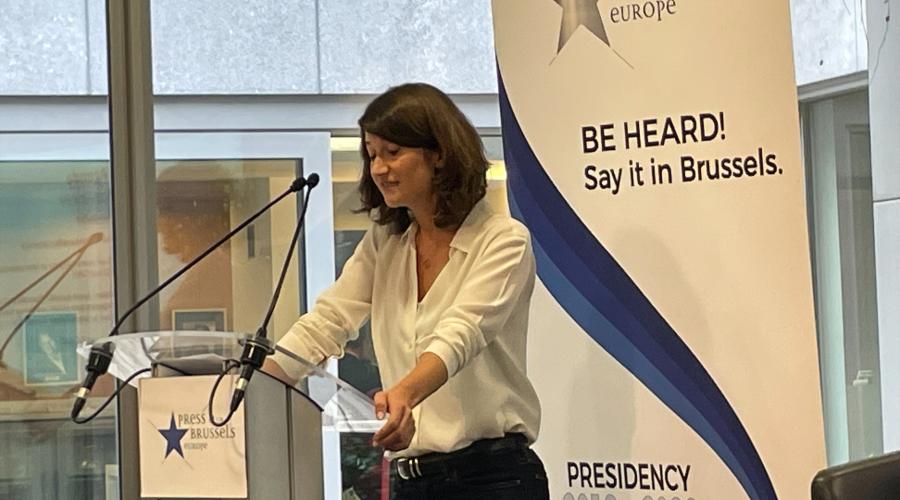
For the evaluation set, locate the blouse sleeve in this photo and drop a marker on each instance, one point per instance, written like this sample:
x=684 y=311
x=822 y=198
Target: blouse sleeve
x=502 y=277
x=338 y=312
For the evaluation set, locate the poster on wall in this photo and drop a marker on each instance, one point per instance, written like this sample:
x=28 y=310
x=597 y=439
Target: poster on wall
x=49 y=354
x=203 y=320
x=653 y=151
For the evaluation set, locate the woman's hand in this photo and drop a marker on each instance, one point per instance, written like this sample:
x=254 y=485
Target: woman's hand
x=397 y=432
x=274 y=369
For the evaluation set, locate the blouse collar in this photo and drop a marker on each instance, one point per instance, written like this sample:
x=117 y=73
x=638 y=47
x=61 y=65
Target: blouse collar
x=466 y=234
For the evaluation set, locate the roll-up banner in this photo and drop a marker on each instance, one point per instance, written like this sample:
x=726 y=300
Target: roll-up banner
x=653 y=151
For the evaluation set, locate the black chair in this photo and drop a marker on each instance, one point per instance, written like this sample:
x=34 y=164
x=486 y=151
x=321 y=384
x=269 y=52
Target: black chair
x=876 y=478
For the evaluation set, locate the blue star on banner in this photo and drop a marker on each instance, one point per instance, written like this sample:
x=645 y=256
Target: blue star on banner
x=173 y=436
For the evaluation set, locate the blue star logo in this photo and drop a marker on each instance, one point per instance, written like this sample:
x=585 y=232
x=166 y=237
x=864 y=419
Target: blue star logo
x=173 y=436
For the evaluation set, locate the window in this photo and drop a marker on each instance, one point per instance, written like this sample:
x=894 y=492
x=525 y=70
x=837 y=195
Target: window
x=55 y=293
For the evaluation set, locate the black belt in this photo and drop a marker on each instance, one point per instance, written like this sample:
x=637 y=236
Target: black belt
x=433 y=464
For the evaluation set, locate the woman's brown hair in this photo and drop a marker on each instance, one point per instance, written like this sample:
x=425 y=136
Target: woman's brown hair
x=417 y=115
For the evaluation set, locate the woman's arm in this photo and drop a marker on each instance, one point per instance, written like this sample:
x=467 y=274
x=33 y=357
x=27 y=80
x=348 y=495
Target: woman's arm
x=429 y=374
x=340 y=310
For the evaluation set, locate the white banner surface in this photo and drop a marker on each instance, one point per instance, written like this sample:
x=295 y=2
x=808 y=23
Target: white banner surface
x=653 y=151
x=183 y=455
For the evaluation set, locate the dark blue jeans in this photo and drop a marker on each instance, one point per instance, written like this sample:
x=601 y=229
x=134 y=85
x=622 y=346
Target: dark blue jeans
x=479 y=472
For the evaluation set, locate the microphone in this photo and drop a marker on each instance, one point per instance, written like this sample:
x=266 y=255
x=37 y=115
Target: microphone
x=313 y=180
x=98 y=364
x=301 y=182
x=101 y=356
x=255 y=352
x=259 y=347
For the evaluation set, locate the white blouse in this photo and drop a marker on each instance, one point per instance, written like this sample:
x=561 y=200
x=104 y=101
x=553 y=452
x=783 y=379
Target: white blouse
x=474 y=318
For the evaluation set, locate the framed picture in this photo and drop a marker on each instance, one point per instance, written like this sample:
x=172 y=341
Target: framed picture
x=204 y=320
x=50 y=341
x=200 y=320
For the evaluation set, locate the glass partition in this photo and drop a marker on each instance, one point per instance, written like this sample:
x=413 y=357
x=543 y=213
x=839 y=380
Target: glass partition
x=55 y=291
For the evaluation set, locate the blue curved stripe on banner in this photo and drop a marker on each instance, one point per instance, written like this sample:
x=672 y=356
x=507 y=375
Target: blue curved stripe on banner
x=597 y=293
x=620 y=347
x=600 y=296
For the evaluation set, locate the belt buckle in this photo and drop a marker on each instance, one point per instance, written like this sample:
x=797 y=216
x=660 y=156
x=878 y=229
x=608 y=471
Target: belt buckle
x=408 y=468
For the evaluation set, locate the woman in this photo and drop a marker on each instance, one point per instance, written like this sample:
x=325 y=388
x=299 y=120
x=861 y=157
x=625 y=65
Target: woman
x=447 y=284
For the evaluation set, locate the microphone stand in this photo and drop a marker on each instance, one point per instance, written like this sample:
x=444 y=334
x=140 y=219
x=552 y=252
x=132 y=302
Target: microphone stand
x=101 y=355
x=259 y=347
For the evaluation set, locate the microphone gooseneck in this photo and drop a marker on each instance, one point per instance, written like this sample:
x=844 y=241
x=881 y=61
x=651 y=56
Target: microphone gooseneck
x=101 y=356
x=259 y=347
